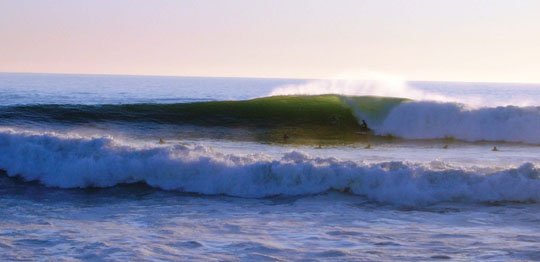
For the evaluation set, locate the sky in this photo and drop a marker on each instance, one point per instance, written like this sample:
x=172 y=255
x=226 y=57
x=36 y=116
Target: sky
x=458 y=40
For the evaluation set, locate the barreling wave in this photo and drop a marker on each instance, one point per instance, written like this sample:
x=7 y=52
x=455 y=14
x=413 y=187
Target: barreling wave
x=321 y=117
x=78 y=162
x=323 y=110
x=268 y=119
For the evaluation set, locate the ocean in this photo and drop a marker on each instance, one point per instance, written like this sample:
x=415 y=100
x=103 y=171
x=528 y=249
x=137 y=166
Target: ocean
x=148 y=168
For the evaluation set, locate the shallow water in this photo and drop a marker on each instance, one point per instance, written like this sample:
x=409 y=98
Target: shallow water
x=137 y=222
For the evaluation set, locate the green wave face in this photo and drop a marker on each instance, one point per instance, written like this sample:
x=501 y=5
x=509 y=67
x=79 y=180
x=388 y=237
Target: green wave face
x=327 y=115
x=324 y=118
x=270 y=118
x=371 y=108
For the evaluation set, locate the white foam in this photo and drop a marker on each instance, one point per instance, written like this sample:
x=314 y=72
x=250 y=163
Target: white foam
x=78 y=162
x=432 y=116
x=430 y=120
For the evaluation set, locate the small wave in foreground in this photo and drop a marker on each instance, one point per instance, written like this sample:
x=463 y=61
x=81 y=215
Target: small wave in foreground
x=78 y=162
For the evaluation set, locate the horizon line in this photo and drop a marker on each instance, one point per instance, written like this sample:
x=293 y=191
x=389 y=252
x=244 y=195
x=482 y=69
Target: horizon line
x=257 y=77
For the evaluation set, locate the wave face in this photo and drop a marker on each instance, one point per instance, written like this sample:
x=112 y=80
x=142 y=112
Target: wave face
x=270 y=119
x=431 y=120
x=78 y=162
x=269 y=111
x=319 y=117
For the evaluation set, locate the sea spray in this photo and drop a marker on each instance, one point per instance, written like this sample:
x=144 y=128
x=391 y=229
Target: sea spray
x=358 y=83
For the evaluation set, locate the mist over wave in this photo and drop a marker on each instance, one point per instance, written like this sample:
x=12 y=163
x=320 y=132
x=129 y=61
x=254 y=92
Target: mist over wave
x=71 y=161
x=367 y=83
x=296 y=109
x=359 y=84
x=432 y=115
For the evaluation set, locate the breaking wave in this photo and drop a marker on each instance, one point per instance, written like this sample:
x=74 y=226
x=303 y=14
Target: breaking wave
x=79 y=162
x=321 y=116
x=432 y=120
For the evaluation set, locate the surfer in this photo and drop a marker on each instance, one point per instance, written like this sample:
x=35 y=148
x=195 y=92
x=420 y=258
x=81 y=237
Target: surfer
x=364 y=125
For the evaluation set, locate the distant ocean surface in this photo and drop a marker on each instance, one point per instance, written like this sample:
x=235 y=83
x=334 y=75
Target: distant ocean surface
x=147 y=168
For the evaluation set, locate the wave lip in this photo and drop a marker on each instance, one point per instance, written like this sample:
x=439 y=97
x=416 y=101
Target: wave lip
x=78 y=162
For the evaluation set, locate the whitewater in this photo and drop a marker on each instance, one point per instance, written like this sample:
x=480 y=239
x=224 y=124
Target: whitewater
x=114 y=168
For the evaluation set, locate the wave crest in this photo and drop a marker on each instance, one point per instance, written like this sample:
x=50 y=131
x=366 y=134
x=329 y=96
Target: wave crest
x=309 y=117
x=79 y=162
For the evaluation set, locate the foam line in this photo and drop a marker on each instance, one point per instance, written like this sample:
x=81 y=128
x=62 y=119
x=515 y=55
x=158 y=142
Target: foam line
x=78 y=162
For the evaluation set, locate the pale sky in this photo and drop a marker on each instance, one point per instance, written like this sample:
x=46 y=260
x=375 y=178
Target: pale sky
x=454 y=40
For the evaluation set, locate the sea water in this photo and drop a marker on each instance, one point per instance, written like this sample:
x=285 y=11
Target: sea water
x=113 y=168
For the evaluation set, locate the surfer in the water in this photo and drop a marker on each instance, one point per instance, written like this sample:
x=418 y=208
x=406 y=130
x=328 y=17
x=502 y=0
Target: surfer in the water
x=364 y=125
